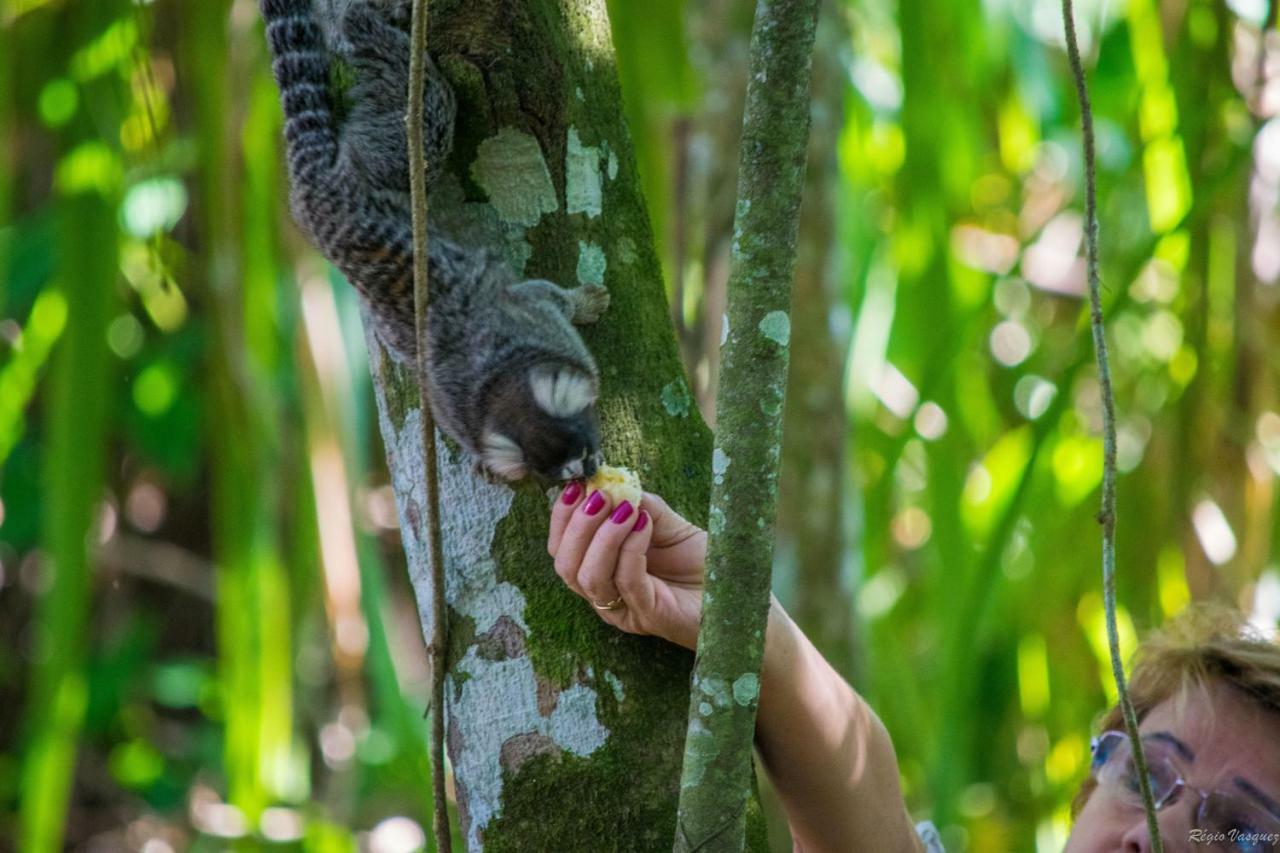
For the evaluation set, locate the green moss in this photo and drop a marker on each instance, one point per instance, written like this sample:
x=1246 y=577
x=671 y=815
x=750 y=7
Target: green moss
x=401 y=391
x=595 y=824
x=560 y=624
x=459 y=677
x=626 y=250
x=595 y=787
x=462 y=636
x=472 y=126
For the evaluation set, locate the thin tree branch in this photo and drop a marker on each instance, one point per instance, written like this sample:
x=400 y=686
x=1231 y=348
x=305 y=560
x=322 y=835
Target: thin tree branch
x=716 y=779
x=1107 y=514
x=680 y=133
x=418 y=193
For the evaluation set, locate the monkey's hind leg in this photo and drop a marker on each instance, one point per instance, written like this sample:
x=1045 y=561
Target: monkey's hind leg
x=380 y=54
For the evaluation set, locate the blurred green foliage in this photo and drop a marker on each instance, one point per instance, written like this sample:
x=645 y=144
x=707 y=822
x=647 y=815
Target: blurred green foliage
x=207 y=629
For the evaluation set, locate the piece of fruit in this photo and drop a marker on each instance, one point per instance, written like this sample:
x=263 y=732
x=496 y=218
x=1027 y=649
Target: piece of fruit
x=620 y=484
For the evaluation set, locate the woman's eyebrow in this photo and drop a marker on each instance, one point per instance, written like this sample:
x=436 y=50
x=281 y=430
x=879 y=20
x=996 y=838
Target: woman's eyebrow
x=1252 y=790
x=1168 y=738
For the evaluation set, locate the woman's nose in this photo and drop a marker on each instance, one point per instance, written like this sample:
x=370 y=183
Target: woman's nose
x=1175 y=826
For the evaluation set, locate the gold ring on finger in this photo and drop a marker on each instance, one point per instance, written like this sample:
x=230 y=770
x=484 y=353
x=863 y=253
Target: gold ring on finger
x=608 y=605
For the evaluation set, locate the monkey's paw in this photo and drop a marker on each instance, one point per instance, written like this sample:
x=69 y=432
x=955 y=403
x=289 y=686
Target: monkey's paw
x=479 y=469
x=590 y=303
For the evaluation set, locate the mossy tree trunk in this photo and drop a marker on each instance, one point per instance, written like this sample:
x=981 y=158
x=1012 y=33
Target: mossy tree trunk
x=563 y=733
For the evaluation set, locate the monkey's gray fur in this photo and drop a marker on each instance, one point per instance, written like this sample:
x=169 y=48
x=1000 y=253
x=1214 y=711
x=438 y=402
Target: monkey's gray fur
x=508 y=375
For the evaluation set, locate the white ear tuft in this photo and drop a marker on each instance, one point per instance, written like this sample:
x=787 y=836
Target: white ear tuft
x=561 y=393
x=502 y=456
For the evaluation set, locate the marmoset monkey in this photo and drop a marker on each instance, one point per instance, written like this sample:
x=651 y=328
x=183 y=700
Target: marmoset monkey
x=508 y=375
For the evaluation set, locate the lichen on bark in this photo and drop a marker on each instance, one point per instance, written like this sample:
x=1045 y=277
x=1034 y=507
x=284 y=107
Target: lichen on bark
x=563 y=733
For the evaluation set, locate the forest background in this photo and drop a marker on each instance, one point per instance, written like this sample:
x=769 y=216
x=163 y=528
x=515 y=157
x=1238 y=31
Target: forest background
x=941 y=461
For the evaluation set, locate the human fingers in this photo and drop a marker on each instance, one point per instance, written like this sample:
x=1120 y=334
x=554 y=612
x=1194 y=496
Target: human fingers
x=595 y=576
x=583 y=523
x=561 y=511
x=631 y=578
x=668 y=525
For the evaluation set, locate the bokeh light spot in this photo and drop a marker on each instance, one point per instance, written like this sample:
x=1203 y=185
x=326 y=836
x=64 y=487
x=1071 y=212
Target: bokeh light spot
x=59 y=100
x=155 y=389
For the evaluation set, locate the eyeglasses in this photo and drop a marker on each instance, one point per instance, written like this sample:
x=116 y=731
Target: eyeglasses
x=1222 y=820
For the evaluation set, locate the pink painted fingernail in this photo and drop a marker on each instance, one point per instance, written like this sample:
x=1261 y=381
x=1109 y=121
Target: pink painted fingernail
x=572 y=492
x=641 y=522
x=622 y=513
x=594 y=503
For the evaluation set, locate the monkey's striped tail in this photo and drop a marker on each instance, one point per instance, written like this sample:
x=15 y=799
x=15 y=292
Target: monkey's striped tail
x=300 y=61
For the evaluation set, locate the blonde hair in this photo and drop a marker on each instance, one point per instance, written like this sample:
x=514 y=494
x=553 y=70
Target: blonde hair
x=1204 y=644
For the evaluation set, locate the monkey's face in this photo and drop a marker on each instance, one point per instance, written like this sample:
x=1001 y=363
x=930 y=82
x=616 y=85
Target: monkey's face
x=565 y=448
x=546 y=426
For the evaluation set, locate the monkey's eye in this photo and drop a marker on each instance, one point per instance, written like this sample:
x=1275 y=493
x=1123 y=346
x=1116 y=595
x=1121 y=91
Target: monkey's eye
x=590 y=463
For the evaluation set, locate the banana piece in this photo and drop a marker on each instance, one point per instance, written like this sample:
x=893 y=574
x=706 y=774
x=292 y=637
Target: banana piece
x=620 y=484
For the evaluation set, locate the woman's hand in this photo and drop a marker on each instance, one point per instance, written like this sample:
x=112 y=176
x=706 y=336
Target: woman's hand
x=652 y=560
x=829 y=756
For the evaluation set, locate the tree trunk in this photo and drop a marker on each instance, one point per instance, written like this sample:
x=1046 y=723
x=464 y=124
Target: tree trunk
x=563 y=733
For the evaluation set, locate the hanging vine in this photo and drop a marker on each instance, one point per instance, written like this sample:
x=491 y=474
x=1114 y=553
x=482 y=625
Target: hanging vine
x=1107 y=514
x=435 y=549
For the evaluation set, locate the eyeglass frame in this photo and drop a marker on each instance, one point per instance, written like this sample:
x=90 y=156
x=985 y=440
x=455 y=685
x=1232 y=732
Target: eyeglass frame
x=1180 y=784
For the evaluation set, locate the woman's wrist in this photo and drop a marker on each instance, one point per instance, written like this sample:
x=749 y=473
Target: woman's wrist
x=683 y=632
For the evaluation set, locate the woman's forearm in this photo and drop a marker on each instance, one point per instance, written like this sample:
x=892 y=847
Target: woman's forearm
x=826 y=752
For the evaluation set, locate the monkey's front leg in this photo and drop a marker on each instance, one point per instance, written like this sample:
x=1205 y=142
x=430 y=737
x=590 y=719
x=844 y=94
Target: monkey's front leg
x=482 y=471
x=583 y=305
x=589 y=302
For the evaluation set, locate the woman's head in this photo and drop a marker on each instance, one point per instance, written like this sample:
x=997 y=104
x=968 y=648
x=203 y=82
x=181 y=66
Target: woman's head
x=1206 y=689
